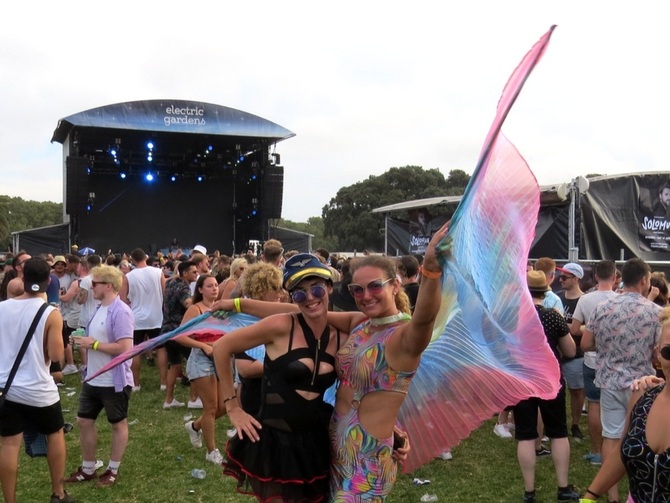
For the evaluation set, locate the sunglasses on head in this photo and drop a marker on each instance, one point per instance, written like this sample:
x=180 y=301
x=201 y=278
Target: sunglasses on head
x=374 y=287
x=665 y=352
x=318 y=291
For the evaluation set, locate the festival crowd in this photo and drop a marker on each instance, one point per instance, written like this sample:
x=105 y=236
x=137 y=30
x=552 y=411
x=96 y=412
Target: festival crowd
x=354 y=327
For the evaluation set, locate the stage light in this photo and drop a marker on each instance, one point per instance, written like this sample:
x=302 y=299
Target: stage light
x=150 y=145
x=210 y=148
x=200 y=178
x=122 y=175
x=150 y=158
x=173 y=178
x=253 y=177
x=88 y=171
x=113 y=152
x=253 y=213
x=149 y=177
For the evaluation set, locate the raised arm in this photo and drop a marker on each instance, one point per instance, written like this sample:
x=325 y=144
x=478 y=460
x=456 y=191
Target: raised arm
x=257 y=308
x=415 y=335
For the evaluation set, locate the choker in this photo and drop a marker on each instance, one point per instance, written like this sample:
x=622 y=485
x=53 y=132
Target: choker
x=387 y=320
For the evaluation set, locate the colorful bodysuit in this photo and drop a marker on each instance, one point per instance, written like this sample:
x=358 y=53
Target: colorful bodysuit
x=363 y=467
x=648 y=472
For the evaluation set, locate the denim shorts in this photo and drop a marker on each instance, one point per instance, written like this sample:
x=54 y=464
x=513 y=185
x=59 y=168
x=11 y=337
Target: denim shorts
x=613 y=411
x=591 y=390
x=573 y=373
x=199 y=365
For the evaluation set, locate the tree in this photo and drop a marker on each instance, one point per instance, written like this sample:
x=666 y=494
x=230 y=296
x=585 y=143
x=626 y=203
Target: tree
x=17 y=215
x=348 y=217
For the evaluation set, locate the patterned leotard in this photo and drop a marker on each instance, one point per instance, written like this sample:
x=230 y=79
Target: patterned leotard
x=648 y=472
x=363 y=467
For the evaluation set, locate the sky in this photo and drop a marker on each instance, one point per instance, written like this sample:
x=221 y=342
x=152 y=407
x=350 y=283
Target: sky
x=365 y=85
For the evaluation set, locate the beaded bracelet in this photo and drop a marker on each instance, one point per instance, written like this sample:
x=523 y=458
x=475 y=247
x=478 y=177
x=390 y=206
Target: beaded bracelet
x=431 y=274
x=95 y=345
x=238 y=305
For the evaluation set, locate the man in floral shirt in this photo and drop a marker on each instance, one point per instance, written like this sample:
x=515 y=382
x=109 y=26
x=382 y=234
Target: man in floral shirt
x=623 y=331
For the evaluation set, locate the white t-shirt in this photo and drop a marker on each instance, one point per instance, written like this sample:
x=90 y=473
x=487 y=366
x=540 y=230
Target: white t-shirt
x=146 y=297
x=97 y=359
x=33 y=384
x=585 y=307
x=89 y=305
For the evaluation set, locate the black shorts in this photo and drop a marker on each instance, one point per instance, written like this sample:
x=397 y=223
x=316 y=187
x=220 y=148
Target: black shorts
x=139 y=336
x=553 y=414
x=67 y=331
x=15 y=418
x=95 y=398
x=176 y=352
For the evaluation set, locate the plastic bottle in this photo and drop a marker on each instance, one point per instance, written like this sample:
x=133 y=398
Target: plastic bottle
x=198 y=473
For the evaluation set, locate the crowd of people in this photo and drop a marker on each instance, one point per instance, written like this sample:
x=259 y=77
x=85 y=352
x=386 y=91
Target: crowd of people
x=361 y=323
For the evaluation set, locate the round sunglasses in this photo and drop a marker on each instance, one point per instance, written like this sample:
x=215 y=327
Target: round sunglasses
x=665 y=352
x=374 y=287
x=318 y=291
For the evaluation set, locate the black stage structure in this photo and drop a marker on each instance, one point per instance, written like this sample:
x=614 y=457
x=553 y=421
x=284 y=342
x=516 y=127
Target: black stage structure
x=146 y=173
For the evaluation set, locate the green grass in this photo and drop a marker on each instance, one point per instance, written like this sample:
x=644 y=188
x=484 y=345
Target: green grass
x=159 y=459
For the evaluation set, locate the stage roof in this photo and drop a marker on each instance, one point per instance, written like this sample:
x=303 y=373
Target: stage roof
x=184 y=136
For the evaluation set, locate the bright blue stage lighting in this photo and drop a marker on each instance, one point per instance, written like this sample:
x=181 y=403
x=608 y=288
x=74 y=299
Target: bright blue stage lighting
x=88 y=208
x=200 y=178
x=173 y=178
x=113 y=152
x=253 y=213
x=150 y=145
x=253 y=177
x=241 y=158
x=210 y=148
x=122 y=175
x=150 y=158
x=149 y=177
x=88 y=171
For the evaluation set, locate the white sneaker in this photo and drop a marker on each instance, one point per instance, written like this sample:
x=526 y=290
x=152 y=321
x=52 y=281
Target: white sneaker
x=194 y=436
x=231 y=433
x=214 y=457
x=502 y=431
x=173 y=404
x=69 y=370
x=446 y=455
x=195 y=404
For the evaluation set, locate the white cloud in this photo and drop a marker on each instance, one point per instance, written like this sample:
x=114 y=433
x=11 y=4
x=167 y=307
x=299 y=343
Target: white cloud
x=365 y=85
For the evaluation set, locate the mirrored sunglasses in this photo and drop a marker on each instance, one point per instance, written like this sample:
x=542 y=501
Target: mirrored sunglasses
x=374 y=287
x=318 y=291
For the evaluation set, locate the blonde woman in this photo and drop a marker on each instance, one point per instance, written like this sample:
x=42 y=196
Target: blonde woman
x=237 y=268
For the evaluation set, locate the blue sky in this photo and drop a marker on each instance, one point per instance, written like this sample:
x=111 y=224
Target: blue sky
x=365 y=85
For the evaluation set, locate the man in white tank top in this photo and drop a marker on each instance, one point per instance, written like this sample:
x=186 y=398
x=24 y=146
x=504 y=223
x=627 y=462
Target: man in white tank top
x=142 y=290
x=33 y=400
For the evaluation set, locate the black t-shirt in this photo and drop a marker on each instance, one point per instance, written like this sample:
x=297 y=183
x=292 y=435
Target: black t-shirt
x=569 y=306
x=554 y=326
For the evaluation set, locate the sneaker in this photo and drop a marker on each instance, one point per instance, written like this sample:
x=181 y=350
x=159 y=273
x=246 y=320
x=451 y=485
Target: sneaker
x=195 y=404
x=529 y=497
x=577 y=434
x=107 y=479
x=80 y=476
x=214 y=457
x=502 y=431
x=173 y=404
x=69 y=370
x=231 y=433
x=194 y=436
x=446 y=456
x=65 y=499
x=542 y=452
x=595 y=458
x=568 y=493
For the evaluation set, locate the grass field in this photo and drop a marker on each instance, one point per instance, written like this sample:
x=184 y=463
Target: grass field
x=157 y=465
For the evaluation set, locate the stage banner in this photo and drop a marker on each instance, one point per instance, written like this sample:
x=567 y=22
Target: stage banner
x=629 y=213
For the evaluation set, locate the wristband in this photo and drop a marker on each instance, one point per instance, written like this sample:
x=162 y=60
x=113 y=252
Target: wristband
x=230 y=397
x=586 y=500
x=237 y=303
x=589 y=491
x=95 y=345
x=431 y=274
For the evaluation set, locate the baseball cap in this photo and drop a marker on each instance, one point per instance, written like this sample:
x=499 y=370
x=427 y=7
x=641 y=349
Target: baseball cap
x=572 y=268
x=301 y=266
x=200 y=248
